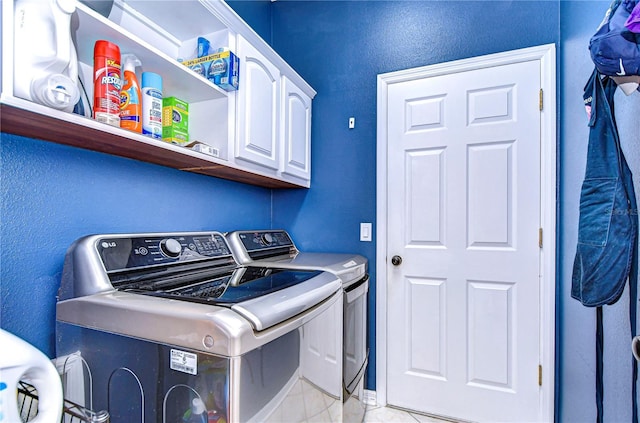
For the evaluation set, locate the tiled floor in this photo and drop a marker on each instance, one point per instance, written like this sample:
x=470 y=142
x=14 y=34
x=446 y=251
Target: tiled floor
x=305 y=403
x=386 y=414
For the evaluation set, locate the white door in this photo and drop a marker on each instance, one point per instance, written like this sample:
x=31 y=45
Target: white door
x=464 y=192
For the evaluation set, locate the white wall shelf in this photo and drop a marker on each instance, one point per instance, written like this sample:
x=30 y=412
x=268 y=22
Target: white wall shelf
x=23 y=118
x=158 y=33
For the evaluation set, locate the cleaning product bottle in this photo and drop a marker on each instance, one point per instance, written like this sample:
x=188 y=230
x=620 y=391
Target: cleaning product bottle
x=130 y=96
x=21 y=361
x=106 y=83
x=45 y=62
x=197 y=413
x=152 y=104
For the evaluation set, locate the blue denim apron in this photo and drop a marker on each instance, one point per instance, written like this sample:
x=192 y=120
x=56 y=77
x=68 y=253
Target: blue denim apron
x=606 y=255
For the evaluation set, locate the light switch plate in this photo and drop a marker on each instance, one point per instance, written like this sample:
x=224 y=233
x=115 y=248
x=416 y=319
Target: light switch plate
x=365 y=232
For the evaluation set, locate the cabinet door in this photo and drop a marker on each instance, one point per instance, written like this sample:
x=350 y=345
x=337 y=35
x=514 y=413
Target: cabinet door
x=258 y=108
x=296 y=130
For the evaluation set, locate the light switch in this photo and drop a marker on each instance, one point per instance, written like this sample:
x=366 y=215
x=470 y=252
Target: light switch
x=352 y=122
x=365 y=232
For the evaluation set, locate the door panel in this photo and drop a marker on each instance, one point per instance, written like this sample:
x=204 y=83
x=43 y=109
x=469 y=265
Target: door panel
x=464 y=211
x=426 y=318
x=490 y=200
x=258 y=105
x=490 y=337
x=425 y=210
x=296 y=131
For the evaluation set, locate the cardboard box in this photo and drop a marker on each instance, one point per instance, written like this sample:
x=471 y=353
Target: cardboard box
x=222 y=68
x=175 y=120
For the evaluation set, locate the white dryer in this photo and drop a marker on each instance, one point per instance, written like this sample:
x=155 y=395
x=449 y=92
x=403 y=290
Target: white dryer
x=275 y=249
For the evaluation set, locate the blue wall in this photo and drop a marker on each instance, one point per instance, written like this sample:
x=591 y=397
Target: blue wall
x=257 y=14
x=339 y=50
x=54 y=194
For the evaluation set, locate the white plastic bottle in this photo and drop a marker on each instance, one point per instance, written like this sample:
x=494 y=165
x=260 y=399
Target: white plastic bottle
x=198 y=412
x=152 y=104
x=45 y=60
x=20 y=360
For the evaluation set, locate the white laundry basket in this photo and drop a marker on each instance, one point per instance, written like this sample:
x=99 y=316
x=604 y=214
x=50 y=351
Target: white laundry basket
x=20 y=361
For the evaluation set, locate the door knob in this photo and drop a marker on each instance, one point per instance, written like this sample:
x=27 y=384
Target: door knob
x=396 y=260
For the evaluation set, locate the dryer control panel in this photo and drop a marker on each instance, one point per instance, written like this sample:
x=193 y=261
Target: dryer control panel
x=265 y=239
x=254 y=245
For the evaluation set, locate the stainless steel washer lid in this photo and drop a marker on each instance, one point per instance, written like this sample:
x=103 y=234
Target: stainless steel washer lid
x=202 y=327
x=269 y=310
x=265 y=298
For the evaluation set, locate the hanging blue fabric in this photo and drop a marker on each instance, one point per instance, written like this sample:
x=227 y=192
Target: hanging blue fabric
x=606 y=255
x=615 y=48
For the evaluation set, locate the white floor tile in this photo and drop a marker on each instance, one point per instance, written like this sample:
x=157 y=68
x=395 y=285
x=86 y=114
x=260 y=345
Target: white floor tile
x=384 y=414
x=305 y=404
x=387 y=414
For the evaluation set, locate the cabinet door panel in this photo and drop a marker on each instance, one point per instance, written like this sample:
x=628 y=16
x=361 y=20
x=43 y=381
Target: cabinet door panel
x=296 y=131
x=258 y=108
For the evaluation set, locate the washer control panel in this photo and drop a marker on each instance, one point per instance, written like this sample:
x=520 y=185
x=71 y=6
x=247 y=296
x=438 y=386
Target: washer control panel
x=122 y=252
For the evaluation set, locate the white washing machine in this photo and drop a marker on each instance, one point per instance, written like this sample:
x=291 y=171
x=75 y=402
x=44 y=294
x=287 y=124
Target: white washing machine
x=275 y=249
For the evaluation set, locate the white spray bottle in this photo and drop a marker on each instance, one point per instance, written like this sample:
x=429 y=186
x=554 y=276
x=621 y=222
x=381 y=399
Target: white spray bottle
x=45 y=59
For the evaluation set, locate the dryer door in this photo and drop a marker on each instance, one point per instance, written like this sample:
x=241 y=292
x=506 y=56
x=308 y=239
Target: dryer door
x=355 y=334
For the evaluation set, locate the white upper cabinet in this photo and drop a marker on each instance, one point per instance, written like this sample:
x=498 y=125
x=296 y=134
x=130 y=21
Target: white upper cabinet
x=274 y=119
x=295 y=130
x=258 y=108
x=259 y=134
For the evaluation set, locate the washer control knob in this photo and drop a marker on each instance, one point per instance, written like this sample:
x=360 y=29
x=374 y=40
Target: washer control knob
x=170 y=247
x=266 y=239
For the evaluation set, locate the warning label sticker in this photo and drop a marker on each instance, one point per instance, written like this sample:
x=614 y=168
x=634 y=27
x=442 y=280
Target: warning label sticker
x=184 y=362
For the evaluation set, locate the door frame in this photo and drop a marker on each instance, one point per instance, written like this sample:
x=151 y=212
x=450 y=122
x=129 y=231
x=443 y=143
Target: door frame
x=546 y=54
